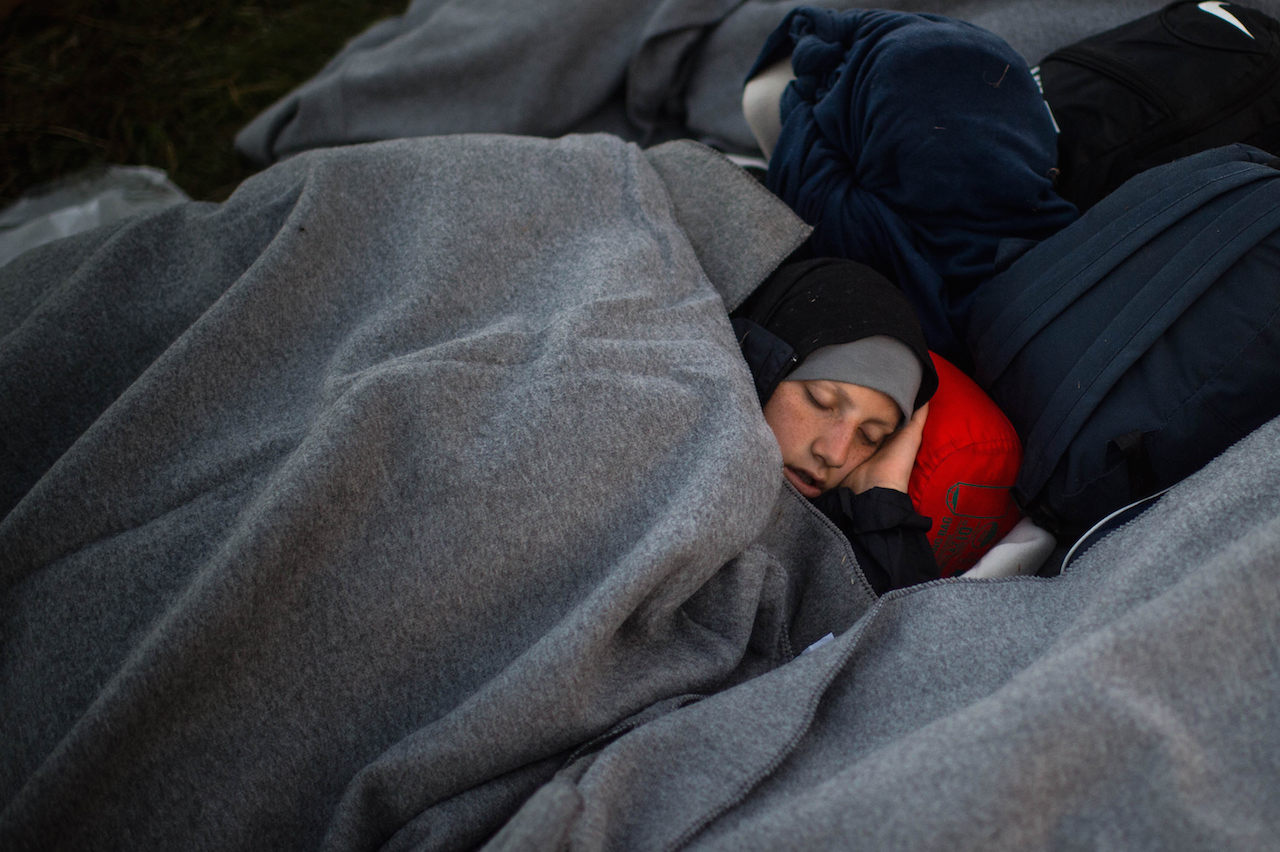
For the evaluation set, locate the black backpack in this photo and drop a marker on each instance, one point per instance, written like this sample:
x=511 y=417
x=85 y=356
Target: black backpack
x=1142 y=340
x=1193 y=76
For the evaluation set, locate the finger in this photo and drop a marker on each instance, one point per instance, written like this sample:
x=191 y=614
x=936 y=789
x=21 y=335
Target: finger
x=918 y=418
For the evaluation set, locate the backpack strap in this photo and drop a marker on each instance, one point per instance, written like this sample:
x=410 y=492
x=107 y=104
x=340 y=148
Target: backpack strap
x=1182 y=280
x=1042 y=297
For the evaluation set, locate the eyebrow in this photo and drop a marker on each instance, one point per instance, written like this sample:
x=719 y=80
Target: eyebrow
x=849 y=402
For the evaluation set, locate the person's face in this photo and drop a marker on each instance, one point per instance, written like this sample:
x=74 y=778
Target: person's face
x=825 y=429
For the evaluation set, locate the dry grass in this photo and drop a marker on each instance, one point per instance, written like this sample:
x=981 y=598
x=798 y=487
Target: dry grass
x=155 y=82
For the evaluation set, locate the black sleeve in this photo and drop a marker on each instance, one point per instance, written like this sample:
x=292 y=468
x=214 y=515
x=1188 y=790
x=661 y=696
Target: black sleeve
x=887 y=535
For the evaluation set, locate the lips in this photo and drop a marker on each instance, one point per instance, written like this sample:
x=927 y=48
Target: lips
x=805 y=482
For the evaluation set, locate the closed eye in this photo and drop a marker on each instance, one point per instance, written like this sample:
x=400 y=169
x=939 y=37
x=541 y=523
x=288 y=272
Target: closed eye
x=817 y=403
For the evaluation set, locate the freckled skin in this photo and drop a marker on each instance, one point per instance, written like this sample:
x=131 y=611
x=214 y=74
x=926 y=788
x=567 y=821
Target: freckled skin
x=836 y=433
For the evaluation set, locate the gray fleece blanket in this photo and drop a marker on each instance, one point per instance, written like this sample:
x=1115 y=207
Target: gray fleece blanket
x=417 y=498
x=646 y=70
x=1131 y=703
x=360 y=498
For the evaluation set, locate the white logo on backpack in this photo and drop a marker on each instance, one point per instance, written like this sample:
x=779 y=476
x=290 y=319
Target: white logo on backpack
x=1214 y=7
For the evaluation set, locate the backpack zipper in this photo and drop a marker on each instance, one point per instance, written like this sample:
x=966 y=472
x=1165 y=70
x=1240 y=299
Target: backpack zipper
x=1116 y=69
x=1122 y=73
x=1181 y=133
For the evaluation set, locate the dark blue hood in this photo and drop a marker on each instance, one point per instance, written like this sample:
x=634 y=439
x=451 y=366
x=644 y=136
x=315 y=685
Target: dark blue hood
x=913 y=144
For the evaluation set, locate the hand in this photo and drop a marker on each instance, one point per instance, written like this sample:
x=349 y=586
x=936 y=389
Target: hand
x=891 y=465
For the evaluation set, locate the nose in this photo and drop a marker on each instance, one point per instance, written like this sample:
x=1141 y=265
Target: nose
x=834 y=444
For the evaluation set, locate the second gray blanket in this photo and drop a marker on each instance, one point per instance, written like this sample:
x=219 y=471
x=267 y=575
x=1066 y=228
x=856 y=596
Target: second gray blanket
x=645 y=71
x=1131 y=703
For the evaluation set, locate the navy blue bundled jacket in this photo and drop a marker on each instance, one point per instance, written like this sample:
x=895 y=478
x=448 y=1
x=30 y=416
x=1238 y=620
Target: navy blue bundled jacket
x=914 y=144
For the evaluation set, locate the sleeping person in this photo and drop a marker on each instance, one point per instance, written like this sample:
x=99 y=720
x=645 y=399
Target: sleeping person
x=844 y=377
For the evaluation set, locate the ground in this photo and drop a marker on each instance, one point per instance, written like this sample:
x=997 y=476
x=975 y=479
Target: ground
x=163 y=83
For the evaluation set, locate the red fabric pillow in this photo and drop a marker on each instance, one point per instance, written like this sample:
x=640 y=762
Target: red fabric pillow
x=968 y=460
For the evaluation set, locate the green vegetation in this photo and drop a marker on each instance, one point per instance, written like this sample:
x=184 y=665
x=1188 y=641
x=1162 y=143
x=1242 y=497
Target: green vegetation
x=162 y=83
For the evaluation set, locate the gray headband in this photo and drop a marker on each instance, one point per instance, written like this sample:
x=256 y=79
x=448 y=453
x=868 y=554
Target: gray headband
x=880 y=362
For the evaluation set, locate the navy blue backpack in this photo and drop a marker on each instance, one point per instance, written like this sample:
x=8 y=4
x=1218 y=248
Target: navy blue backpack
x=1141 y=341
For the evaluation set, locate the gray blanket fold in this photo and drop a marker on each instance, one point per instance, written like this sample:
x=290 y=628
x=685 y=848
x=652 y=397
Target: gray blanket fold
x=429 y=476
x=645 y=71
x=1133 y=703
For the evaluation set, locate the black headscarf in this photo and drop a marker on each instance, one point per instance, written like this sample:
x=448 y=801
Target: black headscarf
x=824 y=302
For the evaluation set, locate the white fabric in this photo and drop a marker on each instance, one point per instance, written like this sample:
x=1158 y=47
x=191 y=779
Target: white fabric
x=1022 y=551
x=83 y=201
x=760 y=103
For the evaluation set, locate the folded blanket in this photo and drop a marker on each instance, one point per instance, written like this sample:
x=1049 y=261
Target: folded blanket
x=645 y=71
x=408 y=468
x=1131 y=703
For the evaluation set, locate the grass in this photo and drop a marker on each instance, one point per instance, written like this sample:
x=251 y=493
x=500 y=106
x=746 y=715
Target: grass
x=155 y=82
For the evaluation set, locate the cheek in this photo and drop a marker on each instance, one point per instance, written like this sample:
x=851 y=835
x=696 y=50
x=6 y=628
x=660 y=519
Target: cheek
x=859 y=453
x=778 y=426
x=787 y=426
